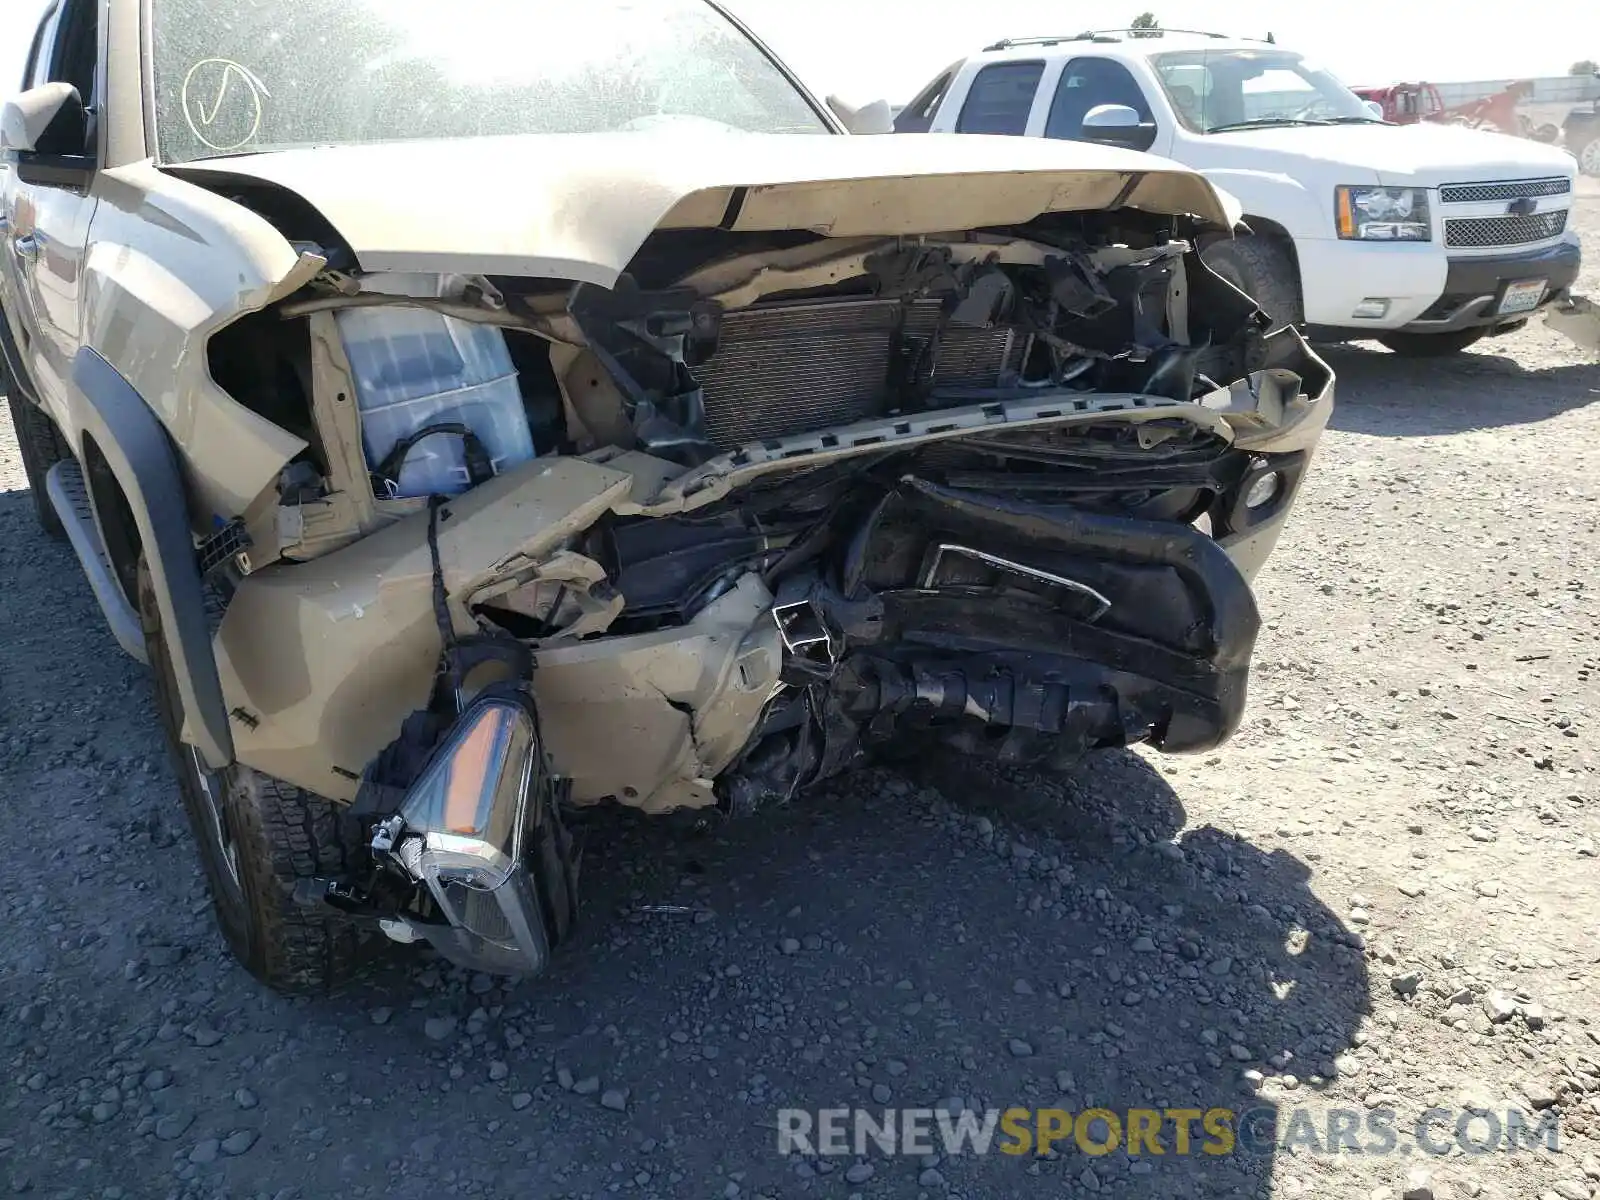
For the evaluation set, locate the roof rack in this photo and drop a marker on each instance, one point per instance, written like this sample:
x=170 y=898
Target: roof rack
x=1100 y=35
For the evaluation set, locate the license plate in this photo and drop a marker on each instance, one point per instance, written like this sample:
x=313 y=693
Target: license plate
x=1522 y=297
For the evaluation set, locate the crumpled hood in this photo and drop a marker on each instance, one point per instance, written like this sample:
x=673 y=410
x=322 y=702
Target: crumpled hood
x=580 y=206
x=1421 y=155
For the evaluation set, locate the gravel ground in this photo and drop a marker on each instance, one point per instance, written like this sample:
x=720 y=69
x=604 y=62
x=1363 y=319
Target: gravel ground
x=1382 y=893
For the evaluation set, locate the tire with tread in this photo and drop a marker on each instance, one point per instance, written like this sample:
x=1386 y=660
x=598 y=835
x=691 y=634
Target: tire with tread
x=1431 y=345
x=280 y=834
x=1262 y=269
x=42 y=447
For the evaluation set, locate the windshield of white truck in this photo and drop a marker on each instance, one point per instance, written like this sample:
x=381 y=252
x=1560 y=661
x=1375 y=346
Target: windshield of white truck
x=1214 y=91
x=255 y=75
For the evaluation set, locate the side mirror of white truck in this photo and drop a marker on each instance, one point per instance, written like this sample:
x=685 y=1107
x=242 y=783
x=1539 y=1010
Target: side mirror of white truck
x=1117 y=125
x=869 y=118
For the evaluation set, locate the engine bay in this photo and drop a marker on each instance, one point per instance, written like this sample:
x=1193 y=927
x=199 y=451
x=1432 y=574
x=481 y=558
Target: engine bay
x=776 y=501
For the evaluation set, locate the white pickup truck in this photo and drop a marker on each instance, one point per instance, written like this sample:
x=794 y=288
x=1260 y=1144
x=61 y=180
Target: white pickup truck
x=1426 y=237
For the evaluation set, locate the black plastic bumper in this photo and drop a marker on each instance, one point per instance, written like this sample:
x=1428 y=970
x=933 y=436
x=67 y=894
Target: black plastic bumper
x=1167 y=663
x=1473 y=287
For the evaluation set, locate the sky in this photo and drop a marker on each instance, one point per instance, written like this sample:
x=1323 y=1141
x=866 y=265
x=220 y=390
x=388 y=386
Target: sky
x=887 y=49
x=17 y=21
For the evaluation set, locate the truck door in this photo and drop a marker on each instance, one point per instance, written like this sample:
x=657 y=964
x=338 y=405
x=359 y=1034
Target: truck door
x=1088 y=82
x=48 y=211
x=17 y=220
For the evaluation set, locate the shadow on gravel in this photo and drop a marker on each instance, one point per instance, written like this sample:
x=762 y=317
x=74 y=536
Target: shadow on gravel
x=885 y=945
x=1384 y=395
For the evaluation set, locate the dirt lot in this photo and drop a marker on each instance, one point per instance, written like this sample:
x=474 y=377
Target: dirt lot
x=1384 y=894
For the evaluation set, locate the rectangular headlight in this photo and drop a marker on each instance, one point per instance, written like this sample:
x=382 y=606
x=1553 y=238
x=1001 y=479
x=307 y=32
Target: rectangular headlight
x=1383 y=214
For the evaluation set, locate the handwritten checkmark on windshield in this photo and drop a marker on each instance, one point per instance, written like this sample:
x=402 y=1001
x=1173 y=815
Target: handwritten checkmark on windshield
x=233 y=117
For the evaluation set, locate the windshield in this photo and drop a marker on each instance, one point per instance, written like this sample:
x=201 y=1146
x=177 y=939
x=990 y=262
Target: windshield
x=1232 y=89
x=254 y=75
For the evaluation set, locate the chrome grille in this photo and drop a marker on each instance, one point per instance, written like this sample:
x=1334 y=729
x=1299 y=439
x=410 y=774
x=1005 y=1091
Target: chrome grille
x=1503 y=231
x=794 y=368
x=1514 y=189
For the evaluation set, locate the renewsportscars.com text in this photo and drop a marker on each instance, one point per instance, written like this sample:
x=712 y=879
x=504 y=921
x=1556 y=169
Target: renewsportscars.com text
x=1161 y=1131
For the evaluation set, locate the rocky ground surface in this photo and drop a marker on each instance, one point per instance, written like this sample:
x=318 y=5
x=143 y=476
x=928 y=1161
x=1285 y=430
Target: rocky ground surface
x=1384 y=894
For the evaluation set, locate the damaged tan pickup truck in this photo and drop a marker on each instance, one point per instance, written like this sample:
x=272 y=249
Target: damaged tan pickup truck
x=468 y=425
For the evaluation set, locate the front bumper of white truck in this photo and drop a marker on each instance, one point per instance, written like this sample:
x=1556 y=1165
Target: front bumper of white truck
x=1503 y=290
x=1354 y=292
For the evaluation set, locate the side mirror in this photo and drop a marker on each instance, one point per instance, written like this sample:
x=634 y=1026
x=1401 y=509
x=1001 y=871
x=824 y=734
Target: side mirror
x=869 y=118
x=1117 y=125
x=49 y=119
x=1375 y=109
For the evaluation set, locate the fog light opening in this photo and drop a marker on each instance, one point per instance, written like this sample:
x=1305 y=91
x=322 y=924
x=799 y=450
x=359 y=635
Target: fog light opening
x=1264 y=490
x=1373 y=308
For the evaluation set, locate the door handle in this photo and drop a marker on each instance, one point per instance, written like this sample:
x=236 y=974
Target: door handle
x=26 y=245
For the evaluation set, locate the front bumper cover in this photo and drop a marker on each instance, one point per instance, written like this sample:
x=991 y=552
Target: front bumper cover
x=1474 y=288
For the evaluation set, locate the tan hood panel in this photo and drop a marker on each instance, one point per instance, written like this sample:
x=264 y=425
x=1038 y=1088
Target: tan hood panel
x=579 y=206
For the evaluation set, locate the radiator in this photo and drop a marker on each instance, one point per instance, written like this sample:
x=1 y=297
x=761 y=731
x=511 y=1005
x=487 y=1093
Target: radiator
x=794 y=368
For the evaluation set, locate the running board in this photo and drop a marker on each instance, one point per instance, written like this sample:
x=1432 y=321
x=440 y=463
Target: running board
x=70 y=498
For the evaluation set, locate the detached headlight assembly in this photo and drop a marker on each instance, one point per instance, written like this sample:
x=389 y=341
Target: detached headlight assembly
x=479 y=829
x=1380 y=214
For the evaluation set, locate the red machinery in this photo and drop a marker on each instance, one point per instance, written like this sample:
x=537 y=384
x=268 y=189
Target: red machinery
x=1498 y=111
x=1408 y=103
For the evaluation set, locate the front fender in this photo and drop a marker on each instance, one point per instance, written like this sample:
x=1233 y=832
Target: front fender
x=1278 y=197
x=169 y=264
